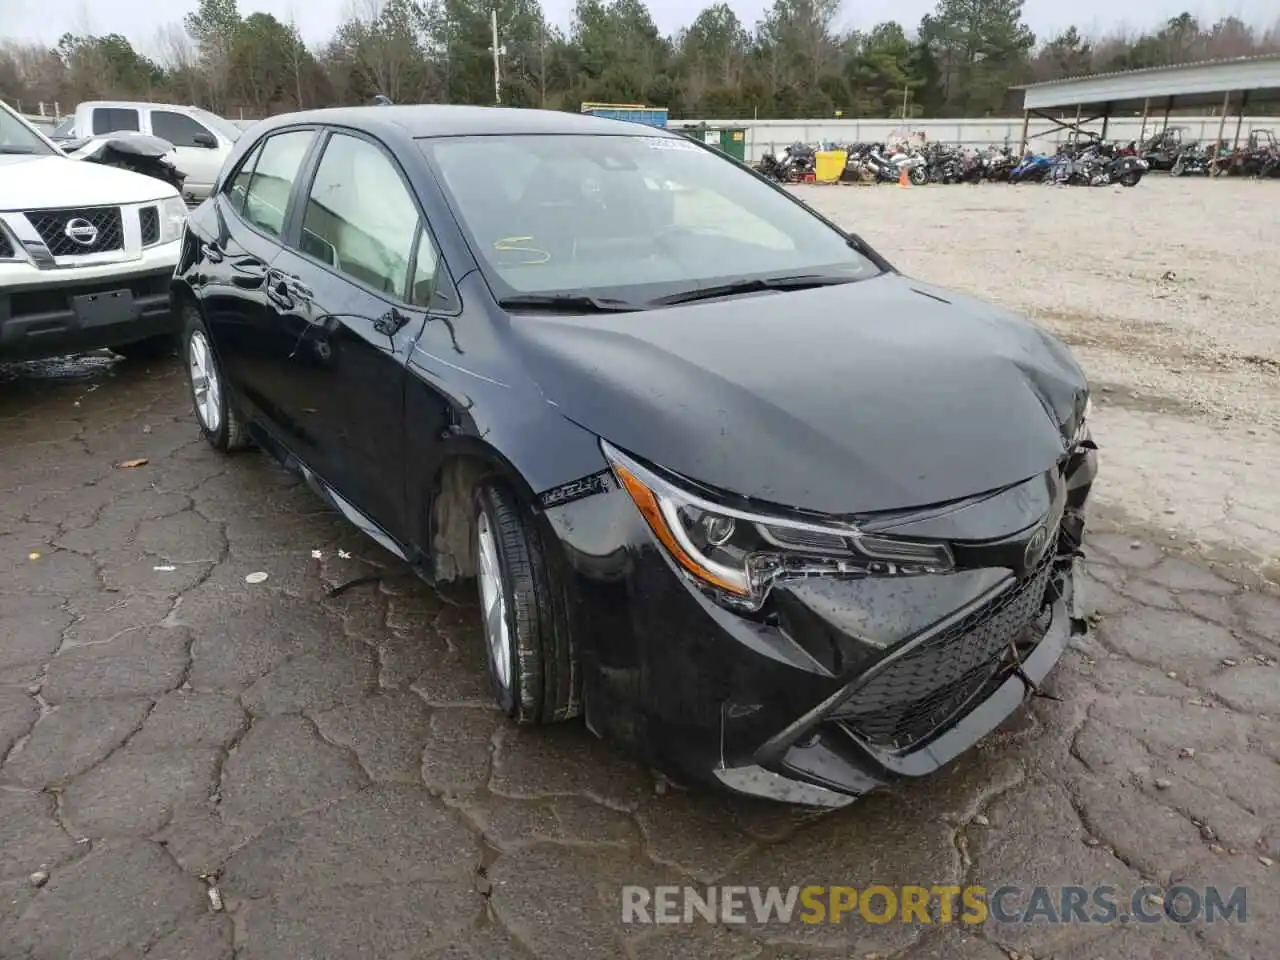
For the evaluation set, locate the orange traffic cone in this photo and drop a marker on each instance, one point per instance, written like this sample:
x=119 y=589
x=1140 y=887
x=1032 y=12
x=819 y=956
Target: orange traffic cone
x=903 y=180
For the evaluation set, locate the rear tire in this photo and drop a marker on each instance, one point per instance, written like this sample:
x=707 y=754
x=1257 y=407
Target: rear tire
x=1130 y=179
x=523 y=614
x=220 y=422
x=153 y=348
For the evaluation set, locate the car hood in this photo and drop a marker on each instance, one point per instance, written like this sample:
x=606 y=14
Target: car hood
x=39 y=182
x=870 y=396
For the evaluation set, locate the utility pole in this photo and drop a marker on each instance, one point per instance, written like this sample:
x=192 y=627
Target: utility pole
x=497 y=54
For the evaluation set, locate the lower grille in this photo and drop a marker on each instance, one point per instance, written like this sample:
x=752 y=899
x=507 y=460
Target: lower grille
x=78 y=231
x=57 y=299
x=925 y=687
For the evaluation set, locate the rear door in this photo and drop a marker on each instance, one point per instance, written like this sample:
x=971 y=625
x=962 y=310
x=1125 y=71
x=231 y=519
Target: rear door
x=354 y=287
x=251 y=214
x=199 y=154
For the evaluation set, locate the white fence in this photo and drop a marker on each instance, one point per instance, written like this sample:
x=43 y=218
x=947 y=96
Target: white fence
x=766 y=135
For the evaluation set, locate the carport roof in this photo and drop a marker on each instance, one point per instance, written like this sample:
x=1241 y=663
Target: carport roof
x=1185 y=85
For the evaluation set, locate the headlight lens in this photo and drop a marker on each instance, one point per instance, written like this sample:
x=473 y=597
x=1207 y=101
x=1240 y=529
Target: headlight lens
x=737 y=555
x=173 y=215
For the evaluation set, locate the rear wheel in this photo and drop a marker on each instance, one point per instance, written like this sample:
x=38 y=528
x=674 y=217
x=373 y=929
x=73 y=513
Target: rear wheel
x=153 y=348
x=219 y=420
x=523 y=616
x=1130 y=179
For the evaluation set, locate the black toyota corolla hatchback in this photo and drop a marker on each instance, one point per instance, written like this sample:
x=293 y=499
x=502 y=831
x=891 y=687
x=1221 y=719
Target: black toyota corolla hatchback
x=763 y=510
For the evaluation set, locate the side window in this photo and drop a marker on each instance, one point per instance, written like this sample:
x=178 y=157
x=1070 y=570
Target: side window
x=267 y=196
x=361 y=219
x=177 y=128
x=114 y=119
x=239 y=185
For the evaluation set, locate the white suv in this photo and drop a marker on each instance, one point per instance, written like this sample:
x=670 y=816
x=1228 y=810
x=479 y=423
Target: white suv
x=87 y=252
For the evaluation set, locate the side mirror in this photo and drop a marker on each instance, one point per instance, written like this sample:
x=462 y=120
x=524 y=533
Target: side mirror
x=206 y=140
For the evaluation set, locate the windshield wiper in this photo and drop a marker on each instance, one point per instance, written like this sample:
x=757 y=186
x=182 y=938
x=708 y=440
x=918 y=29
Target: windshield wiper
x=567 y=303
x=17 y=150
x=800 y=281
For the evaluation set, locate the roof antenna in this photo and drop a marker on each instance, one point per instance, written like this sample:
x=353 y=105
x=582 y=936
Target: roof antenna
x=382 y=101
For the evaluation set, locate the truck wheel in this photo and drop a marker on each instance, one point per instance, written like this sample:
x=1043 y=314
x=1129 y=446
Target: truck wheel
x=153 y=348
x=523 y=616
x=219 y=421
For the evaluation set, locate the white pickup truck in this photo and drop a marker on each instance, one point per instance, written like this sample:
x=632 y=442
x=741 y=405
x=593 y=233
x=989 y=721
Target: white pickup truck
x=87 y=252
x=201 y=140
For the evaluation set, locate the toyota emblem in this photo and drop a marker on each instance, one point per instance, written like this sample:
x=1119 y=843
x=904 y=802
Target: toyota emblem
x=1035 y=547
x=81 y=231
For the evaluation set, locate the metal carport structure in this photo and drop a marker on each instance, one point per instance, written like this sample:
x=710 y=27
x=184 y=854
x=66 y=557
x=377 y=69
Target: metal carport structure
x=1210 y=83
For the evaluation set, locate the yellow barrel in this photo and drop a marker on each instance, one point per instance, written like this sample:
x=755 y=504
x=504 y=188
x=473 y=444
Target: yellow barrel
x=829 y=164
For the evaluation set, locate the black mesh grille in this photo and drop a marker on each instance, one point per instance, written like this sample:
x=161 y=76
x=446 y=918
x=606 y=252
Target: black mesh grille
x=52 y=227
x=925 y=687
x=149 y=220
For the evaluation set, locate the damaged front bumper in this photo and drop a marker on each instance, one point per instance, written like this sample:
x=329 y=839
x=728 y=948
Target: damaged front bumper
x=846 y=745
x=836 y=685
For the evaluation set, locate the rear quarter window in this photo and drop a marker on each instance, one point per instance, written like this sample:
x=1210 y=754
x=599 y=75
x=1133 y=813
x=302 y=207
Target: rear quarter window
x=114 y=119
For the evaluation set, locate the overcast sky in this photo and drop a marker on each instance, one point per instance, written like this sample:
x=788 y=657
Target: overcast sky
x=46 y=20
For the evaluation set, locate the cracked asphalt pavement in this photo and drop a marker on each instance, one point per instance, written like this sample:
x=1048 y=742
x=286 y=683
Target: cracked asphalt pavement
x=332 y=768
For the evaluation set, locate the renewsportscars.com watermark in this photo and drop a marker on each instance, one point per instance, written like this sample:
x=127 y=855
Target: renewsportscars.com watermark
x=934 y=904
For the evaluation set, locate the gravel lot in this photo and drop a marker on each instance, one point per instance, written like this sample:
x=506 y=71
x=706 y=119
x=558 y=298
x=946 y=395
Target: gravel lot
x=1166 y=292
x=196 y=766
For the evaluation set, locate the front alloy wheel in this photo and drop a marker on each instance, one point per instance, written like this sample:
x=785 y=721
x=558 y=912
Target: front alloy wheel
x=523 y=614
x=219 y=421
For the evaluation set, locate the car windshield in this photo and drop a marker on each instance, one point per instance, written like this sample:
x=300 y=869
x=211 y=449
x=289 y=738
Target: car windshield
x=629 y=217
x=220 y=124
x=17 y=137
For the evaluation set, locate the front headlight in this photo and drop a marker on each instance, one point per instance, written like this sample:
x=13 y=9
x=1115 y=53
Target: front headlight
x=173 y=215
x=737 y=555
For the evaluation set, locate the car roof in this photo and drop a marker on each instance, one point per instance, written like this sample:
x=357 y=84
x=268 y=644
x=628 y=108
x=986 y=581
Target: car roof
x=446 y=120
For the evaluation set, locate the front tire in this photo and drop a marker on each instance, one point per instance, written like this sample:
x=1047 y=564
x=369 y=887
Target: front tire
x=220 y=422
x=1130 y=179
x=918 y=176
x=523 y=616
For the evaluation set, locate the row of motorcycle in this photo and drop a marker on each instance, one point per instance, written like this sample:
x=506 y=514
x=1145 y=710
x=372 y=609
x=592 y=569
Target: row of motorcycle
x=1173 y=150
x=1092 y=162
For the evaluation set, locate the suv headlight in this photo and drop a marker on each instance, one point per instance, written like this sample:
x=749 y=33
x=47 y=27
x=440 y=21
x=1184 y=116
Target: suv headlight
x=173 y=216
x=737 y=555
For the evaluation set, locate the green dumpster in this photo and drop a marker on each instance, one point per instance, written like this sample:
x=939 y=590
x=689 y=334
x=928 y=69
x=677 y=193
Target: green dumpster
x=733 y=141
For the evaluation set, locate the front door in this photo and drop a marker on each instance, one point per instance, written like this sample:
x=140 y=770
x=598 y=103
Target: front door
x=196 y=150
x=239 y=308
x=352 y=289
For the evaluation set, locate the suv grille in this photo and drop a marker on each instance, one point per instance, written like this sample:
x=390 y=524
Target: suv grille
x=149 y=220
x=928 y=685
x=107 y=233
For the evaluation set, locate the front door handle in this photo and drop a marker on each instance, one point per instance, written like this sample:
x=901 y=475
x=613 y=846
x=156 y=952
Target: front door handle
x=278 y=289
x=213 y=252
x=299 y=289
